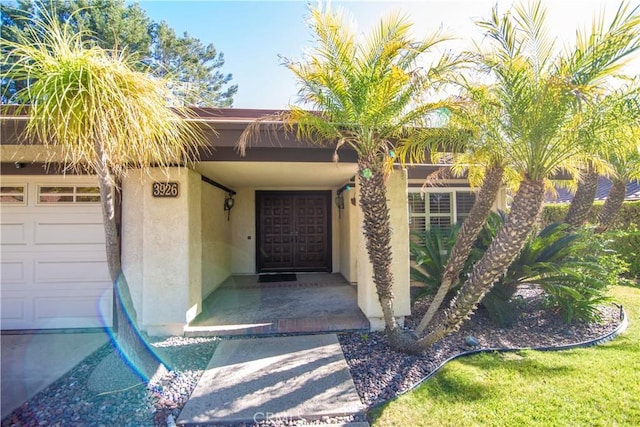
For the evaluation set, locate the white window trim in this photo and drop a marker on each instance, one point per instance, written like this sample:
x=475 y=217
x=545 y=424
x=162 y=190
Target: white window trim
x=74 y=194
x=454 y=208
x=25 y=193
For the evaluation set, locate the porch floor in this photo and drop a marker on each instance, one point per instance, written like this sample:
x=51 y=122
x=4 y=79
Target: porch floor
x=315 y=302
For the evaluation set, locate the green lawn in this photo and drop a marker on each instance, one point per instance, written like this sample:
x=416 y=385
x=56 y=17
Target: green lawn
x=597 y=386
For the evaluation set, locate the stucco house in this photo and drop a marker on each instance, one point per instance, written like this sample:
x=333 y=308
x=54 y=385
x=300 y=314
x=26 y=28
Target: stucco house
x=284 y=207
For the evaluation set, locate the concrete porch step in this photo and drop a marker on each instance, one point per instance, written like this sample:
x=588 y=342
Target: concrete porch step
x=345 y=323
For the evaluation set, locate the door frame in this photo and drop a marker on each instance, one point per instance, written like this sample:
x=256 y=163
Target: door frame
x=328 y=268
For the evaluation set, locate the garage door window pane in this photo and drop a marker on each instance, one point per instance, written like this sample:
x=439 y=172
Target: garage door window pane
x=87 y=199
x=56 y=190
x=12 y=195
x=68 y=194
x=88 y=190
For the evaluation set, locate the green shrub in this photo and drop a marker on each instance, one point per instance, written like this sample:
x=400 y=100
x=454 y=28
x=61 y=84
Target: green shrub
x=625 y=233
x=591 y=267
x=553 y=212
x=575 y=269
x=627 y=217
x=565 y=264
x=627 y=245
x=430 y=252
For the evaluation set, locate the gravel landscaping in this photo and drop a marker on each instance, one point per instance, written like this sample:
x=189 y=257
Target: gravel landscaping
x=70 y=402
x=379 y=373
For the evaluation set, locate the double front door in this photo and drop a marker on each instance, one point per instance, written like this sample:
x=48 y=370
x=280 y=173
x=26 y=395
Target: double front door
x=294 y=230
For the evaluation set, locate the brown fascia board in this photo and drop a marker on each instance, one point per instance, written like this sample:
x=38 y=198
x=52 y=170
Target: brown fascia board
x=232 y=114
x=221 y=127
x=11 y=130
x=39 y=168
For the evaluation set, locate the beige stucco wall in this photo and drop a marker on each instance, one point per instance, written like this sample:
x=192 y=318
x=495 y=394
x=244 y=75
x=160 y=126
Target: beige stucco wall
x=243 y=232
x=216 y=239
x=194 y=243
x=348 y=237
x=367 y=296
x=162 y=250
x=501 y=200
x=132 y=238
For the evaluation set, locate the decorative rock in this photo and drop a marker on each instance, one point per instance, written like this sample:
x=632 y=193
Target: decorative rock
x=471 y=341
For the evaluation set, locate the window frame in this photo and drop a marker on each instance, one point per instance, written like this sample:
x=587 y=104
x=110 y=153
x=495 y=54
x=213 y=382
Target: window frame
x=25 y=194
x=73 y=193
x=427 y=215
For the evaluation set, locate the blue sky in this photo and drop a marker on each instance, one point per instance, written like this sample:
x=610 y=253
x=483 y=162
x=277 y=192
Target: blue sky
x=253 y=35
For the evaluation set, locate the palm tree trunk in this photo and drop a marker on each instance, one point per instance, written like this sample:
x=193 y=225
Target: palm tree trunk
x=583 y=200
x=468 y=234
x=494 y=263
x=612 y=205
x=127 y=337
x=377 y=231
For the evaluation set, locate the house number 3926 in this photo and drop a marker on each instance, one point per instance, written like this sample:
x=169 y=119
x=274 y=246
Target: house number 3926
x=165 y=189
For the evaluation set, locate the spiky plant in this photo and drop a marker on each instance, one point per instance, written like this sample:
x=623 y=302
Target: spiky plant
x=89 y=104
x=430 y=251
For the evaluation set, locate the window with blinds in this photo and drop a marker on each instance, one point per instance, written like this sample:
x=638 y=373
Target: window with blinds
x=438 y=209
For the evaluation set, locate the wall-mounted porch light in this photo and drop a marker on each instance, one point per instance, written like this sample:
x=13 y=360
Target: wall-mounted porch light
x=340 y=197
x=228 y=200
x=339 y=202
x=228 y=204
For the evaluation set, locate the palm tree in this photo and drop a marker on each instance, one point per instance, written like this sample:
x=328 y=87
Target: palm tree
x=608 y=133
x=104 y=117
x=367 y=94
x=539 y=97
x=626 y=167
x=473 y=143
x=583 y=198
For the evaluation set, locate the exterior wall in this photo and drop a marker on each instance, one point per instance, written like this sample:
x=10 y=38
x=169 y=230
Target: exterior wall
x=216 y=239
x=336 y=232
x=501 y=200
x=243 y=232
x=162 y=250
x=132 y=238
x=367 y=296
x=349 y=233
x=193 y=209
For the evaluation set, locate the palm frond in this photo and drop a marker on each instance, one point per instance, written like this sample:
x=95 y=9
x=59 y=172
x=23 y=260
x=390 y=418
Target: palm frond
x=93 y=105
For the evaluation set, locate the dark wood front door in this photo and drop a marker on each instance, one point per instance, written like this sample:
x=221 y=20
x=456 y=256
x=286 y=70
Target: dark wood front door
x=294 y=230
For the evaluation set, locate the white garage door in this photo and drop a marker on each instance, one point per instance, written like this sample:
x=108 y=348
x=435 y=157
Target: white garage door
x=54 y=270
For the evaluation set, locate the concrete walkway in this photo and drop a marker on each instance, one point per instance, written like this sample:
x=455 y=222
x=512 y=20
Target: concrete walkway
x=31 y=362
x=271 y=379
